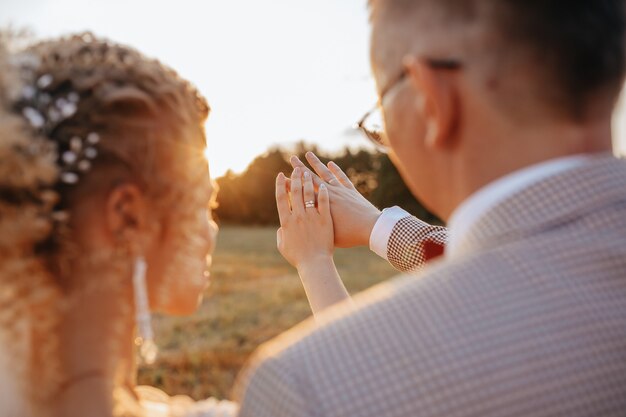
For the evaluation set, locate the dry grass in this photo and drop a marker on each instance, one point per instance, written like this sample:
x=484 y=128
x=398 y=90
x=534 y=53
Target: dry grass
x=255 y=295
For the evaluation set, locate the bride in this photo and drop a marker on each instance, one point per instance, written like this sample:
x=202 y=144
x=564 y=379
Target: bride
x=105 y=204
x=105 y=216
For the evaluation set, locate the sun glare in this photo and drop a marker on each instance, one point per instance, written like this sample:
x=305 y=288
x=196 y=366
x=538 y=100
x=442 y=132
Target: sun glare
x=229 y=157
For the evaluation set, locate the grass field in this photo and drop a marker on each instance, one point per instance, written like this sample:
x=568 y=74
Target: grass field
x=254 y=296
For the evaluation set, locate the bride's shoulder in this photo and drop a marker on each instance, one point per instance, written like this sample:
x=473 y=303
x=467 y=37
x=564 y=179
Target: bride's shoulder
x=156 y=403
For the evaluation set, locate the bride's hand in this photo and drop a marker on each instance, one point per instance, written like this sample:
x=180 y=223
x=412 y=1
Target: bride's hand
x=353 y=216
x=306 y=237
x=306 y=233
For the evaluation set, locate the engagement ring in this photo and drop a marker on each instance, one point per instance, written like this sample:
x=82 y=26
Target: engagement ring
x=309 y=204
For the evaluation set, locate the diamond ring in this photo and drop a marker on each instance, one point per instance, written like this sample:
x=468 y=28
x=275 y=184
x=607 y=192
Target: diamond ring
x=309 y=204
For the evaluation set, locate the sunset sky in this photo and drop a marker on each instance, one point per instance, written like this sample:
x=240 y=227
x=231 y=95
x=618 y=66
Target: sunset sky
x=274 y=71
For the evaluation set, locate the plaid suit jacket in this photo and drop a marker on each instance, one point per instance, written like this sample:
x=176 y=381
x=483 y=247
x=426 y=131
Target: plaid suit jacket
x=529 y=321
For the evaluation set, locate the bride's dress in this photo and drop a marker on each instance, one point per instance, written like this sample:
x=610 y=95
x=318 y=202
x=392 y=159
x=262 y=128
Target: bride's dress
x=158 y=404
x=154 y=403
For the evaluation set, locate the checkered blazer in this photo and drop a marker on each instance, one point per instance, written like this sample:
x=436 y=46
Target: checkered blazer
x=529 y=321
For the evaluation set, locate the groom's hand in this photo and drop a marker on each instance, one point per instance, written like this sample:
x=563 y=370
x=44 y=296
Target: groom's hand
x=353 y=216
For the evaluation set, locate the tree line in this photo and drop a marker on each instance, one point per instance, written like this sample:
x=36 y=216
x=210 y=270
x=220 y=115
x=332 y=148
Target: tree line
x=248 y=198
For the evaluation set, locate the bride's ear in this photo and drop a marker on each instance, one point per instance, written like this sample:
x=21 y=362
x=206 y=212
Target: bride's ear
x=126 y=213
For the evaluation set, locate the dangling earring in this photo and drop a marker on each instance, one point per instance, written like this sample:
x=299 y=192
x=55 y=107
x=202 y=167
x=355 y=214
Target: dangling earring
x=145 y=337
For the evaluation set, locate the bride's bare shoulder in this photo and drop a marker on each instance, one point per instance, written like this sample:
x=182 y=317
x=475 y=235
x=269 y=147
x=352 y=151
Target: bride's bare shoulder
x=156 y=403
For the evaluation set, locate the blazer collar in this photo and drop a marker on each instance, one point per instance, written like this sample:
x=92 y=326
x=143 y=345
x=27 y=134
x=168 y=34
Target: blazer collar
x=557 y=200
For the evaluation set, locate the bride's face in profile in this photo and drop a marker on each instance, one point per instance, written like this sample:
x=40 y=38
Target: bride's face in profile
x=176 y=240
x=179 y=262
x=178 y=251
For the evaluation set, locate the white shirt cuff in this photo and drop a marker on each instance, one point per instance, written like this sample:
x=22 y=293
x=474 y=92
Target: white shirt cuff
x=379 y=238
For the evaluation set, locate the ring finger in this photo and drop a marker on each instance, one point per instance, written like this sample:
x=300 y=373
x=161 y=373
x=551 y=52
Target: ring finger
x=309 y=191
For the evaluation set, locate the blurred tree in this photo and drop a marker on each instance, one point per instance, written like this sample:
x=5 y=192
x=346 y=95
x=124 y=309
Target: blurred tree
x=248 y=198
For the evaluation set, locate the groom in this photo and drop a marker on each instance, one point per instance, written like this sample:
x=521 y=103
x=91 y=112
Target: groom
x=498 y=115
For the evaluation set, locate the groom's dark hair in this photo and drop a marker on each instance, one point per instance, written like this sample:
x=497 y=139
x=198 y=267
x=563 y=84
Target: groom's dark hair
x=578 y=45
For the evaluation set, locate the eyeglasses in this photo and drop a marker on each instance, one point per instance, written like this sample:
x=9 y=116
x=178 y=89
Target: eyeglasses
x=371 y=124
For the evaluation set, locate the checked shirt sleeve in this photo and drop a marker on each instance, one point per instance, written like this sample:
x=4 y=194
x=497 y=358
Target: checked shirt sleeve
x=400 y=238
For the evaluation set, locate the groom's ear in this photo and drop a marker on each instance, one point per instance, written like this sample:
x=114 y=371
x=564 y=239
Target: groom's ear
x=439 y=108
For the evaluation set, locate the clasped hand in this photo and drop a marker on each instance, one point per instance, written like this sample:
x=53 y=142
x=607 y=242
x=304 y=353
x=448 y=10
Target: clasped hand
x=306 y=232
x=341 y=217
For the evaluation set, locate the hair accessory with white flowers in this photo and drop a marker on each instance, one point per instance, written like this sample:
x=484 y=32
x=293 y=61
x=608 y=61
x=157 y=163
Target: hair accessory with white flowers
x=45 y=113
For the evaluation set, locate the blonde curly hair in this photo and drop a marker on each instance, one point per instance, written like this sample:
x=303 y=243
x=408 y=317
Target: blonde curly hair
x=151 y=124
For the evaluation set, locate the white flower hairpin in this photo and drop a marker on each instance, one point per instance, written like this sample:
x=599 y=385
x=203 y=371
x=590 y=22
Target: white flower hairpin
x=44 y=114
